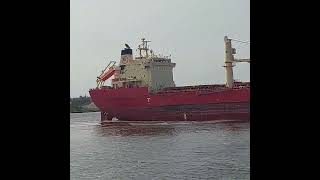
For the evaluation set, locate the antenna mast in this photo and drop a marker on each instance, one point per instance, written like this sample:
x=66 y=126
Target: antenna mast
x=143 y=47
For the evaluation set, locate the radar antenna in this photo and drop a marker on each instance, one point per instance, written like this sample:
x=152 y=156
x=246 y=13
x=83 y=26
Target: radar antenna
x=128 y=47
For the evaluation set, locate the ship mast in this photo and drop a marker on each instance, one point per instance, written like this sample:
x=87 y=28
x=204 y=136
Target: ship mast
x=229 y=60
x=144 y=47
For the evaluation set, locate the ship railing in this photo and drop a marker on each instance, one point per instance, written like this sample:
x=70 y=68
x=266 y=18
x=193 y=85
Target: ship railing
x=106 y=87
x=242 y=85
x=184 y=88
x=200 y=87
x=193 y=90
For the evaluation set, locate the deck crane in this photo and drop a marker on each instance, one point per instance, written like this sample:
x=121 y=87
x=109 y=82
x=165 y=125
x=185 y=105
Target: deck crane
x=230 y=60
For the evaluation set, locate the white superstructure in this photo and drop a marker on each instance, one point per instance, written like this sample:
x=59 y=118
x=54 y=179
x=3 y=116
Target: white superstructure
x=146 y=70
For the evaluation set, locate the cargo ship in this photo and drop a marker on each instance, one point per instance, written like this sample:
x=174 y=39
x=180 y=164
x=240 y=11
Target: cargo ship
x=143 y=90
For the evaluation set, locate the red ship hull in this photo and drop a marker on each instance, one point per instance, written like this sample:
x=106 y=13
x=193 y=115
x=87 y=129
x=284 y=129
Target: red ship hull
x=137 y=104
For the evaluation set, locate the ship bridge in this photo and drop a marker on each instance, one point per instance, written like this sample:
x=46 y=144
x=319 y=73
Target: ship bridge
x=145 y=70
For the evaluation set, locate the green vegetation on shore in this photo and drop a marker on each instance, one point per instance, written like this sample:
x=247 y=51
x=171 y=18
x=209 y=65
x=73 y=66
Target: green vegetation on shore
x=81 y=104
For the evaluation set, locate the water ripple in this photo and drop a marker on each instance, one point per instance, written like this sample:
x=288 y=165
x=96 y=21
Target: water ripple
x=204 y=151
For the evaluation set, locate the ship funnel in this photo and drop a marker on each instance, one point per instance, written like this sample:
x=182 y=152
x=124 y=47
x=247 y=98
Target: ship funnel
x=126 y=55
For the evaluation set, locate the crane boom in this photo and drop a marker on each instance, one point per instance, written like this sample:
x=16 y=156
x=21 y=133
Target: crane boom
x=242 y=60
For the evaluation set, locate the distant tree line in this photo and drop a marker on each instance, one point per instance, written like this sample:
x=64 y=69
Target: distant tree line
x=76 y=104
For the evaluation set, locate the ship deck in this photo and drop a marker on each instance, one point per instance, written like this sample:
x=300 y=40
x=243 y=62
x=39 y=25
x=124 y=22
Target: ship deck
x=215 y=87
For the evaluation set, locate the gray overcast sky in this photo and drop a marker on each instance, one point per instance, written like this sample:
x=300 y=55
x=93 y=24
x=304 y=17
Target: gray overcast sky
x=191 y=31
